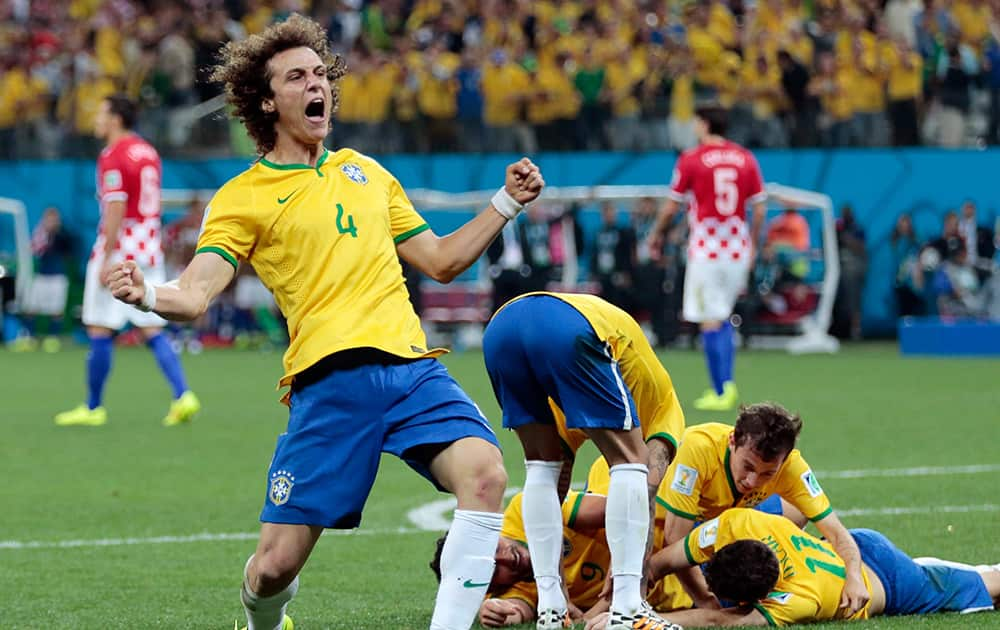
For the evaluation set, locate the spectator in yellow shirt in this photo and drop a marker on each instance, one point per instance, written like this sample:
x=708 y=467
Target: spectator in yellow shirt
x=868 y=94
x=506 y=91
x=832 y=86
x=906 y=71
x=764 y=95
x=436 y=96
x=622 y=79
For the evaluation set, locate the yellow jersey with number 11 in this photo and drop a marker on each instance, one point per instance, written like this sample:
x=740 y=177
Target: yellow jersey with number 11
x=811 y=576
x=323 y=241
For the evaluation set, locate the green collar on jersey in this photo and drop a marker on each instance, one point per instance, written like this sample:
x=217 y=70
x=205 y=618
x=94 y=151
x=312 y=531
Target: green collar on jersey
x=292 y=167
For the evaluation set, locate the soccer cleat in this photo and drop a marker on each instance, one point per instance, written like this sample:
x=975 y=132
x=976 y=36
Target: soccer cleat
x=710 y=401
x=286 y=624
x=182 y=409
x=644 y=619
x=553 y=620
x=82 y=416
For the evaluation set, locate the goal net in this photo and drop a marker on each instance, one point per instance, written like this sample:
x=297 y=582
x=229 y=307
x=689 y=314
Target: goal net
x=793 y=318
x=796 y=322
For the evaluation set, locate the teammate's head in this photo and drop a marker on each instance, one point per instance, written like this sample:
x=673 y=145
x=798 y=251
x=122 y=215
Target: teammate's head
x=282 y=82
x=513 y=564
x=116 y=114
x=711 y=120
x=744 y=571
x=765 y=434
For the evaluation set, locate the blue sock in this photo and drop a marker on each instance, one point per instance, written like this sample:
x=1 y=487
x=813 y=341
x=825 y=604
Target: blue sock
x=98 y=368
x=728 y=351
x=711 y=339
x=170 y=363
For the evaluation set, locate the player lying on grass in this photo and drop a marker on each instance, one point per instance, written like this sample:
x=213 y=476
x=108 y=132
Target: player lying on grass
x=325 y=233
x=719 y=467
x=592 y=360
x=781 y=575
x=586 y=559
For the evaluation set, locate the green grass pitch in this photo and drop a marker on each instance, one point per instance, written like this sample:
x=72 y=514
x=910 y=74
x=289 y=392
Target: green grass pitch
x=198 y=489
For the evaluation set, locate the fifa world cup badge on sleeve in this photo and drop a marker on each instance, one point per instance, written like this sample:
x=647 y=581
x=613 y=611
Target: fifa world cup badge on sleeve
x=282 y=482
x=684 y=479
x=709 y=533
x=812 y=486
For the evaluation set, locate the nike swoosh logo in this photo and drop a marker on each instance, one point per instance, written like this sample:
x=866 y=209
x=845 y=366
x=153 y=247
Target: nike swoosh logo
x=280 y=200
x=471 y=584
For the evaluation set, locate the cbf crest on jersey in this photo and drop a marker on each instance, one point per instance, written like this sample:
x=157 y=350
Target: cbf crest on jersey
x=354 y=173
x=282 y=482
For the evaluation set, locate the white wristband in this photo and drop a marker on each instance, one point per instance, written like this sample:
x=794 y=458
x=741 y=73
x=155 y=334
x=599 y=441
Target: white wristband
x=505 y=204
x=148 y=300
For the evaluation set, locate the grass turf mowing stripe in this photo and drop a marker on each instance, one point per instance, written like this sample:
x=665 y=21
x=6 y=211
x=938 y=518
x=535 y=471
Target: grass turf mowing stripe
x=920 y=471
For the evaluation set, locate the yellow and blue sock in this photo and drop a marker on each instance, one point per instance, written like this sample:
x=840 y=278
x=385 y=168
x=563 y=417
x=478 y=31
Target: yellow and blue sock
x=169 y=362
x=98 y=368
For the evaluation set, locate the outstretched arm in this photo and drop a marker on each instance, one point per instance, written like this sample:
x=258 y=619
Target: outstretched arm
x=655 y=238
x=184 y=299
x=442 y=258
x=855 y=594
x=673 y=559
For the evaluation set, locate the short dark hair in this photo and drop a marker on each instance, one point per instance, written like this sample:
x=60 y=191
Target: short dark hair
x=767 y=428
x=124 y=108
x=716 y=117
x=244 y=73
x=744 y=571
x=435 y=564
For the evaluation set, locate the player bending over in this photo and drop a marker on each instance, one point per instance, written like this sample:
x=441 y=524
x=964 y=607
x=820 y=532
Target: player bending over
x=325 y=232
x=592 y=361
x=752 y=464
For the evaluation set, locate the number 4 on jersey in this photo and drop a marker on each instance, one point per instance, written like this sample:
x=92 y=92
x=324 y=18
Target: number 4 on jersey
x=350 y=227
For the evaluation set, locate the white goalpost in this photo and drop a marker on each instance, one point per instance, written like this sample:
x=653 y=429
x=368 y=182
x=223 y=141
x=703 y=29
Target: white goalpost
x=22 y=244
x=809 y=334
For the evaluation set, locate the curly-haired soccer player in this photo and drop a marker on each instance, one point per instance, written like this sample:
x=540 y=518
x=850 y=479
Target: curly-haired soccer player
x=325 y=232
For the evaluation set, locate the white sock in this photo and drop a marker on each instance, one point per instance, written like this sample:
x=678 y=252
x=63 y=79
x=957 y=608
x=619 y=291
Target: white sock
x=938 y=562
x=544 y=528
x=266 y=613
x=627 y=525
x=466 y=559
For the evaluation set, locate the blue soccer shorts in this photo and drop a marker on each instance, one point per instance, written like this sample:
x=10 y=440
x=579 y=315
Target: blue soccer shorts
x=912 y=589
x=539 y=347
x=339 y=424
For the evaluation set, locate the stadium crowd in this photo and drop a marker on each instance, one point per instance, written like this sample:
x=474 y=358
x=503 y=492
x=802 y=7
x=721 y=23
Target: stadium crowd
x=516 y=75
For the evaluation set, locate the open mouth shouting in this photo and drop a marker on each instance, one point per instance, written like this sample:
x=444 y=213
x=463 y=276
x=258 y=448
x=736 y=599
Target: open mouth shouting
x=316 y=111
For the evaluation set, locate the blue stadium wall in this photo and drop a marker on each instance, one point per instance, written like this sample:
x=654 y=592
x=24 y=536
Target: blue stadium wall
x=879 y=184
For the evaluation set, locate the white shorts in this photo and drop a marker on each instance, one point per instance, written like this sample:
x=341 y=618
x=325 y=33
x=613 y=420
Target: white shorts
x=711 y=288
x=46 y=295
x=100 y=308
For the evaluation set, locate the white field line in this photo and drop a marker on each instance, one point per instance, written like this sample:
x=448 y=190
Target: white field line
x=435 y=516
x=919 y=471
x=440 y=523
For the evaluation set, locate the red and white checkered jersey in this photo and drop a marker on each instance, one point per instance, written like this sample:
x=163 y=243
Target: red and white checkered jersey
x=129 y=171
x=717 y=180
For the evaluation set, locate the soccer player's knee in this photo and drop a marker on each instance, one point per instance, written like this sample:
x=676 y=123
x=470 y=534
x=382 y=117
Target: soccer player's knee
x=488 y=482
x=275 y=568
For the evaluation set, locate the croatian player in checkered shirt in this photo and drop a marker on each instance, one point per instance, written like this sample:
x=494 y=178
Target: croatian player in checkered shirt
x=128 y=189
x=717 y=179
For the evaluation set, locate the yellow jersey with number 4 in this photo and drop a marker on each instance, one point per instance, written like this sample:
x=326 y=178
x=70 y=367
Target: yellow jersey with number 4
x=660 y=413
x=811 y=576
x=323 y=240
x=699 y=485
